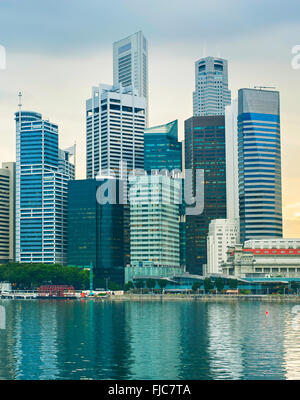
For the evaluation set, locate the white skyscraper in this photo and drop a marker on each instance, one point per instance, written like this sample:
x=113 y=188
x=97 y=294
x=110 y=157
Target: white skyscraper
x=211 y=94
x=130 y=63
x=232 y=167
x=115 y=123
x=223 y=233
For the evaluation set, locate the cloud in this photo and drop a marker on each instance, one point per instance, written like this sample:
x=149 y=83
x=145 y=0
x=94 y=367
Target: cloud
x=61 y=26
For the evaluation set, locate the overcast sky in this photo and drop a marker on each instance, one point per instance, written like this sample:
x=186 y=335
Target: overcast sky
x=58 y=49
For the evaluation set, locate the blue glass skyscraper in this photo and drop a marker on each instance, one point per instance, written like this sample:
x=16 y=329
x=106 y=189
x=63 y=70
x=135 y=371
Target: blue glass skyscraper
x=162 y=150
x=95 y=230
x=259 y=164
x=41 y=191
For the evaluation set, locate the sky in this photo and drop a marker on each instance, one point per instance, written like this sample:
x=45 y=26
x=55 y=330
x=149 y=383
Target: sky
x=56 y=50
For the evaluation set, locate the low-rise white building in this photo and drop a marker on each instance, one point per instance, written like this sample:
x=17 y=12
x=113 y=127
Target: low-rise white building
x=264 y=258
x=222 y=234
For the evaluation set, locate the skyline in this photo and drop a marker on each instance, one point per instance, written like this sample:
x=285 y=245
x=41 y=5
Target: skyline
x=56 y=76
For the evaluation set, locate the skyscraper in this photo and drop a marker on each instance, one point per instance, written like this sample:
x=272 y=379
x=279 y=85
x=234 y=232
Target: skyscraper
x=130 y=63
x=95 y=230
x=154 y=220
x=232 y=167
x=259 y=164
x=7 y=212
x=211 y=94
x=115 y=123
x=162 y=150
x=205 y=150
x=41 y=191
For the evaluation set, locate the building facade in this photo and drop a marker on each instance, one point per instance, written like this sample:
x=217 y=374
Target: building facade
x=130 y=63
x=41 y=192
x=259 y=152
x=95 y=230
x=205 y=150
x=154 y=221
x=211 y=94
x=7 y=212
x=162 y=150
x=266 y=258
x=232 y=165
x=223 y=233
x=115 y=123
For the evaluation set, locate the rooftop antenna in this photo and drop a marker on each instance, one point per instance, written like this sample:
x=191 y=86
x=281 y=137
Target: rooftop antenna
x=264 y=87
x=20 y=109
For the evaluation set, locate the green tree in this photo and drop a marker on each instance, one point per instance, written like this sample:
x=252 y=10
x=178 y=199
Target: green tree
x=220 y=284
x=139 y=284
x=151 y=283
x=196 y=286
x=128 y=286
x=162 y=283
x=233 y=284
x=208 y=285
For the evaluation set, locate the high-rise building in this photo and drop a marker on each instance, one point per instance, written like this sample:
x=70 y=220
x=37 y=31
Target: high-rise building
x=211 y=94
x=41 y=191
x=115 y=123
x=232 y=166
x=95 y=230
x=205 y=150
x=222 y=234
x=259 y=164
x=130 y=63
x=162 y=150
x=7 y=212
x=154 y=221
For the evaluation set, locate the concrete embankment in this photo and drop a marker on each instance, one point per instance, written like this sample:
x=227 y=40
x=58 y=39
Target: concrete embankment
x=205 y=298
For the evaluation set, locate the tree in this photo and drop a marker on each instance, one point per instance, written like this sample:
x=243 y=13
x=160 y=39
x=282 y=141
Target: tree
x=233 y=284
x=220 y=284
x=208 y=284
x=128 y=286
x=162 y=283
x=196 y=286
x=150 y=283
x=295 y=286
x=139 y=284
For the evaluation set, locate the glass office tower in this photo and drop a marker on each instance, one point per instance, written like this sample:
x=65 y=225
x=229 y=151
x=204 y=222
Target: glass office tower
x=154 y=221
x=162 y=150
x=259 y=153
x=95 y=230
x=205 y=150
x=41 y=192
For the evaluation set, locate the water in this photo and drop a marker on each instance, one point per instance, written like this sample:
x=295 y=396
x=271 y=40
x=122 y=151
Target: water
x=47 y=339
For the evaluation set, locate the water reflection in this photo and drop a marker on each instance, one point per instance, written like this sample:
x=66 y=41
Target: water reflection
x=149 y=340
